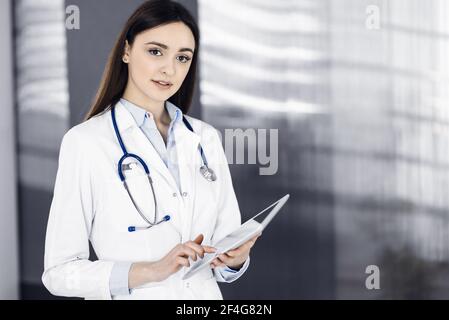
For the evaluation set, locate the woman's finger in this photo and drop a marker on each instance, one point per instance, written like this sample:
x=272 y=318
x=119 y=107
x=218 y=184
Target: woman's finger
x=209 y=249
x=196 y=247
x=234 y=253
x=199 y=239
x=225 y=259
x=244 y=248
x=250 y=243
x=217 y=263
x=220 y=263
x=187 y=251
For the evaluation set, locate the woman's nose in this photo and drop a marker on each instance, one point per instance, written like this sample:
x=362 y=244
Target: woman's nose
x=168 y=68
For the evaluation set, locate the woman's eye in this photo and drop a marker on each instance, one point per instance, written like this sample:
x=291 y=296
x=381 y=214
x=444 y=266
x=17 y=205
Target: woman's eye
x=154 y=52
x=184 y=59
x=157 y=52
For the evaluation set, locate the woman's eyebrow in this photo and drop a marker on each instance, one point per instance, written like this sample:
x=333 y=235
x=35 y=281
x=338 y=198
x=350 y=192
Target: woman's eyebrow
x=166 y=47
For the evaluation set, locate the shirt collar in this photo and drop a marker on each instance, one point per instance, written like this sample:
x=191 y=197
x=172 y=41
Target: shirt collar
x=174 y=112
x=139 y=114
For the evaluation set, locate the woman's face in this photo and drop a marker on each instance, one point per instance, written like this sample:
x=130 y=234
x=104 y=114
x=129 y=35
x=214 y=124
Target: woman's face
x=163 y=53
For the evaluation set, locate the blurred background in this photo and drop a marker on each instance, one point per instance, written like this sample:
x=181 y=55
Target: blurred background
x=356 y=88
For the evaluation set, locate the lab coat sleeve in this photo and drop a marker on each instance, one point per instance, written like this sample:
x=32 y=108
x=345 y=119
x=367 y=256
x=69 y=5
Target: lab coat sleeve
x=67 y=269
x=229 y=217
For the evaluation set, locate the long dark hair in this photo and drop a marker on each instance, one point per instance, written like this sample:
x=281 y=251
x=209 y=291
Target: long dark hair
x=149 y=15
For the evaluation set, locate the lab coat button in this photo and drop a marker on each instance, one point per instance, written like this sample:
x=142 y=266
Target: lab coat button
x=184 y=194
x=187 y=284
x=174 y=195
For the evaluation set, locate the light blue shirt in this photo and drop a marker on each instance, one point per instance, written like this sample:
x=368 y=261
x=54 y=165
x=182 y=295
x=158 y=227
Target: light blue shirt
x=145 y=121
x=118 y=282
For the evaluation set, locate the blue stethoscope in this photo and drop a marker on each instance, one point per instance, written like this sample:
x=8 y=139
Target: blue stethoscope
x=205 y=171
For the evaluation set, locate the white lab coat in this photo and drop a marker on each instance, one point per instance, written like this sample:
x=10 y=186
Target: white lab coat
x=90 y=203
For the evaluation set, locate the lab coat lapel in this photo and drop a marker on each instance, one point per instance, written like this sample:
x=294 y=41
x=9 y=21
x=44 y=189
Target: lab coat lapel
x=187 y=148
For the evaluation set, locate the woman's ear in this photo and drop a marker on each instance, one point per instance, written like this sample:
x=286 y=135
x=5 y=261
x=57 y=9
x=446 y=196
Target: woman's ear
x=125 y=57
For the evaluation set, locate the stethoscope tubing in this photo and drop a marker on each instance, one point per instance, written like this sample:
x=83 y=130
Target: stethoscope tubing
x=205 y=171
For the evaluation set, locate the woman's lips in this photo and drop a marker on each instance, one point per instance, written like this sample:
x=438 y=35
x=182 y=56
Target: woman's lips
x=162 y=86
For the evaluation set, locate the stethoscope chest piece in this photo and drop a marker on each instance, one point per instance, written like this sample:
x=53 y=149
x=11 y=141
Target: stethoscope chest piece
x=208 y=173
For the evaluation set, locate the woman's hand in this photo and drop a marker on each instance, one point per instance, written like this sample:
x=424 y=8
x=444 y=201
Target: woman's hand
x=178 y=257
x=236 y=258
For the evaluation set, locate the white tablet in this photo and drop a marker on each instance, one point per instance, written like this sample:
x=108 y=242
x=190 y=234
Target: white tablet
x=238 y=237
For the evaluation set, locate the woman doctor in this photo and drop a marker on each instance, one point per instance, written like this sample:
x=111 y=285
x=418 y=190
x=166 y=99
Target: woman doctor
x=148 y=186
